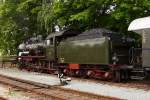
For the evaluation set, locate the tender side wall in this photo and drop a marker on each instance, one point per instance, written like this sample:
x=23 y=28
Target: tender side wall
x=88 y=51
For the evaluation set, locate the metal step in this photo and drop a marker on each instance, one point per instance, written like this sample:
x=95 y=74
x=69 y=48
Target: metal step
x=137 y=78
x=137 y=74
x=138 y=71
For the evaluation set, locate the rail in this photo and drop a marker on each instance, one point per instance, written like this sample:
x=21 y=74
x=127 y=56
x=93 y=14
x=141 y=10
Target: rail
x=52 y=92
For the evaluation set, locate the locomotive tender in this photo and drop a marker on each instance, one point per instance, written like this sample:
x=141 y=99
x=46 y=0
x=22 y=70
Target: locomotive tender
x=97 y=53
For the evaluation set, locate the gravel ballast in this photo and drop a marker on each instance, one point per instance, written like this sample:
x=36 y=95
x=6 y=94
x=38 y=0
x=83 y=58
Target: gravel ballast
x=85 y=86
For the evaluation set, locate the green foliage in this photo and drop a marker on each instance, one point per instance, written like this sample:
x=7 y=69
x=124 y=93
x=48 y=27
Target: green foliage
x=20 y=19
x=44 y=18
x=125 y=12
x=82 y=14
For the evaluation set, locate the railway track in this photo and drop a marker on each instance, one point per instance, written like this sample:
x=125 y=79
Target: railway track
x=51 y=92
x=2 y=98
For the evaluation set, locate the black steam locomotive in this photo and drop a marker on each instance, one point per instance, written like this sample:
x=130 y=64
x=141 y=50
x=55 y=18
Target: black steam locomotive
x=96 y=53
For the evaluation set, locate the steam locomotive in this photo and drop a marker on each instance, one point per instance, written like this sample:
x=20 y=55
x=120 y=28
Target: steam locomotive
x=96 y=53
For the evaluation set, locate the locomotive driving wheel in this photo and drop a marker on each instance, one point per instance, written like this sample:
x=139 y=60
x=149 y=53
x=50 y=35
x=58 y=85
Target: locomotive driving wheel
x=116 y=76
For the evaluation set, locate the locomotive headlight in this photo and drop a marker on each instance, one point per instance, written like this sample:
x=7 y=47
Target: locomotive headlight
x=115 y=58
x=19 y=58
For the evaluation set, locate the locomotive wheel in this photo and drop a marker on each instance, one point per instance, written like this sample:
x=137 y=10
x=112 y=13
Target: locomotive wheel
x=117 y=76
x=91 y=74
x=125 y=75
x=66 y=72
x=83 y=74
x=108 y=75
x=71 y=73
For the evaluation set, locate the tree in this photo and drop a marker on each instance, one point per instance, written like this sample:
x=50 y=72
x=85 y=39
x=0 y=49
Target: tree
x=21 y=19
x=126 y=11
x=78 y=14
x=18 y=21
x=8 y=27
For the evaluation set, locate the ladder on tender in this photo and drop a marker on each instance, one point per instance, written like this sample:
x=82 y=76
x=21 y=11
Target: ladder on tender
x=137 y=74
